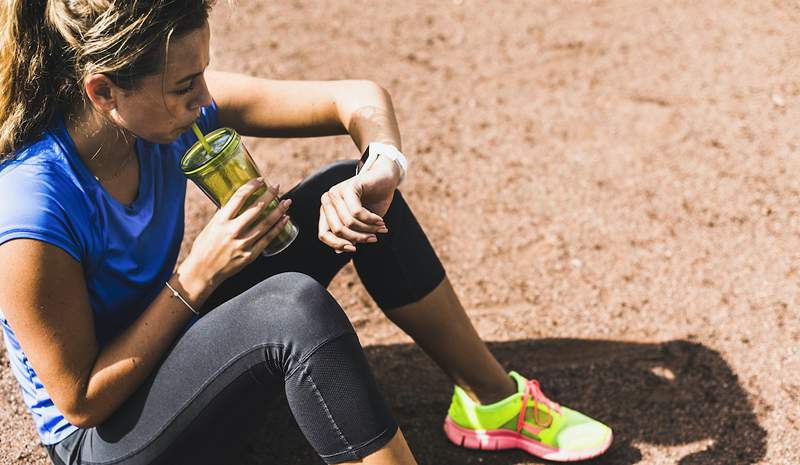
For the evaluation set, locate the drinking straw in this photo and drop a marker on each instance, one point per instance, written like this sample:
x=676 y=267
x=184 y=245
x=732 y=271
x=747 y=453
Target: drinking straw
x=202 y=139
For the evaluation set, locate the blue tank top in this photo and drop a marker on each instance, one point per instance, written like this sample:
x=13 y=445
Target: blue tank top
x=127 y=251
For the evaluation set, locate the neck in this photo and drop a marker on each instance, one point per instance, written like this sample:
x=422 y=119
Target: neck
x=101 y=145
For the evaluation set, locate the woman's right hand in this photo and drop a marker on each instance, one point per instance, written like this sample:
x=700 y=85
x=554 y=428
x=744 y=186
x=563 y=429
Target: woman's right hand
x=233 y=238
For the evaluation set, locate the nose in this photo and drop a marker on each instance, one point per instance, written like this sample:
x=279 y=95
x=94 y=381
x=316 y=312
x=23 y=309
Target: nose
x=203 y=98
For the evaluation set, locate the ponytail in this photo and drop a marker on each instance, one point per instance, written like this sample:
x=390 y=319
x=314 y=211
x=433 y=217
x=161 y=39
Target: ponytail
x=30 y=62
x=48 y=48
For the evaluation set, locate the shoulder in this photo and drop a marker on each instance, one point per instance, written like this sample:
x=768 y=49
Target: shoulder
x=39 y=171
x=41 y=198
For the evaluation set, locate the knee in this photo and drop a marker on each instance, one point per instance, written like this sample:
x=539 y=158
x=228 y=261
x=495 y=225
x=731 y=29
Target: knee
x=301 y=307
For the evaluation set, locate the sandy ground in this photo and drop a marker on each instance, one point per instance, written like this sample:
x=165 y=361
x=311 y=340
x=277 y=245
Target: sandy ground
x=612 y=186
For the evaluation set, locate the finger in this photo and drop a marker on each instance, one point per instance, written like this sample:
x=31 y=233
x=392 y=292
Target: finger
x=270 y=235
x=269 y=223
x=266 y=203
x=334 y=222
x=338 y=246
x=322 y=228
x=353 y=205
x=328 y=238
x=240 y=197
x=352 y=227
x=373 y=221
x=268 y=219
x=249 y=216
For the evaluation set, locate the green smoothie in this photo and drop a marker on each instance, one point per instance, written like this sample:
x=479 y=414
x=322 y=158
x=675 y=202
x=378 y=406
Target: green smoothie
x=221 y=173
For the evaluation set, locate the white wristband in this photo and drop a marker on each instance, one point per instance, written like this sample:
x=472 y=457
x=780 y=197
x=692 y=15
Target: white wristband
x=374 y=149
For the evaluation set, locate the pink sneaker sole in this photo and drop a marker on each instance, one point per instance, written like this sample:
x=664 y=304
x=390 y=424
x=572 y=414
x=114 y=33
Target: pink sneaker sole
x=505 y=439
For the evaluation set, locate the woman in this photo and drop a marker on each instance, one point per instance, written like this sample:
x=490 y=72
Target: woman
x=104 y=331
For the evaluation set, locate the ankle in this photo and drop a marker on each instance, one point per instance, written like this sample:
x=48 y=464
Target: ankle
x=493 y=393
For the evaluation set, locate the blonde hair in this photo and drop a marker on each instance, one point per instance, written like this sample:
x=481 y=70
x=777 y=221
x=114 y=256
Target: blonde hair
x=48 y=48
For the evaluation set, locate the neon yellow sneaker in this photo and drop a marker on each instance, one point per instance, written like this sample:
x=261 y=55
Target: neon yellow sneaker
x=527 y=420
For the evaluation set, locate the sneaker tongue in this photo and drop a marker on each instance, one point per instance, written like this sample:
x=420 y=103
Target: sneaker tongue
x=520 y=380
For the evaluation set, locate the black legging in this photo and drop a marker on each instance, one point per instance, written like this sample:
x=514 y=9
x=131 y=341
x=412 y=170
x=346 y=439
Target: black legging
x=270 y=328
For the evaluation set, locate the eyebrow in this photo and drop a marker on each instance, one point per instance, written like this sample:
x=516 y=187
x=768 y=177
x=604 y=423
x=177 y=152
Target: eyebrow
x=188 y=78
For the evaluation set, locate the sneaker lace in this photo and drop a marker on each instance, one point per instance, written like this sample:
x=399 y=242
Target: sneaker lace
x=533 y=391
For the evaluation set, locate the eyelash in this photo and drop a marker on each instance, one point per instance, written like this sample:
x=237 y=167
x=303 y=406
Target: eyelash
x=185 y=91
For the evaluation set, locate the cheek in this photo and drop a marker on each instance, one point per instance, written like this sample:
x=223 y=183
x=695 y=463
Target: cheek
x=152 y=120
x=179 y=107
x=143 y=109
x=167 y=117
x=154 y=115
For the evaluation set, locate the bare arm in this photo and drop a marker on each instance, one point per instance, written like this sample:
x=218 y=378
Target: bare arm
x=273 y=108
x=44 y=297
x=350 y=212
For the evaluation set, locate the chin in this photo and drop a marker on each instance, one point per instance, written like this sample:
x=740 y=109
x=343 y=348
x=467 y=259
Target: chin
x=167 y=138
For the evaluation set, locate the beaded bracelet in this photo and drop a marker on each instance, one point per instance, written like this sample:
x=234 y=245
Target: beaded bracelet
x=176 y=294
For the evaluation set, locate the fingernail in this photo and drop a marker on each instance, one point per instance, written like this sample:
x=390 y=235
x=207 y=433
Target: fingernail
x=383 y=230
x=286 y=203
x=372 y=239
x=261 y=180
x=338 y=251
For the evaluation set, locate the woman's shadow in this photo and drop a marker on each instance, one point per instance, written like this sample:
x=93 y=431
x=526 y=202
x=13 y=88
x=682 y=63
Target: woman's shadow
x=677 y=393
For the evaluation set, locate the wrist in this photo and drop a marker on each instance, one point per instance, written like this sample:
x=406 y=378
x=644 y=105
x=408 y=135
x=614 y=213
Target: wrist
x=384 y=155
x=194 y=286
x=389 y=166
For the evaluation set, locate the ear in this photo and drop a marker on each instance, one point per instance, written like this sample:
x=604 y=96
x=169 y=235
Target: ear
x=102 y=92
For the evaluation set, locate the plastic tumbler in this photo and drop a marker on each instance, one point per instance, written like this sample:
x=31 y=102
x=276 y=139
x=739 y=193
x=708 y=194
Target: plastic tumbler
x=221 y=173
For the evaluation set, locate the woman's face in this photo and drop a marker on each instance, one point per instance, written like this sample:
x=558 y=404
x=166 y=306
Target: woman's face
x=165 y=105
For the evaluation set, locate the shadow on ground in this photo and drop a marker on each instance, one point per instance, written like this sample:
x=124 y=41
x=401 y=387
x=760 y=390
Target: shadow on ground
x=667 y=394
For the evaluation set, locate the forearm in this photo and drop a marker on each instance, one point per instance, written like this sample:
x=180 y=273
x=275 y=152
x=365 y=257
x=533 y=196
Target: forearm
x=277 y=108
x=368 y=115
x=123 y=365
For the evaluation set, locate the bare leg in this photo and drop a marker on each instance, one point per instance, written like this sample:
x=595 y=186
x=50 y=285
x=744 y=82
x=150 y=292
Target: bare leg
x=441 y=327
x=396 y=452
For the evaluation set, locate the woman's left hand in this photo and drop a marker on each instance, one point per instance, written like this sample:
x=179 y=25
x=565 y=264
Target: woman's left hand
x=352 y=211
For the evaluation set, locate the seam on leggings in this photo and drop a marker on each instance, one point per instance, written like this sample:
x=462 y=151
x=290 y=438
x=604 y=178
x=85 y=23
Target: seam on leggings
x=304 y=358
x=363 y=445
x=424 y=294
x=327 y=411
x=183 y=407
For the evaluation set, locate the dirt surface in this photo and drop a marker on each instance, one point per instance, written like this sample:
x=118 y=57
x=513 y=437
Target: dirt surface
x=612 y=186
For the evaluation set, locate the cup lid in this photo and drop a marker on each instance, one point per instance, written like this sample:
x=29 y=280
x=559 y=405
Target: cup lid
x=196 y=158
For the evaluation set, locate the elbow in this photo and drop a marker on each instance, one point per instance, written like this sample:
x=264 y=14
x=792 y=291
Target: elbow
x=360 y=100
x=81 y=419
x=382 y=90
x=371 y=90
x=80 y=415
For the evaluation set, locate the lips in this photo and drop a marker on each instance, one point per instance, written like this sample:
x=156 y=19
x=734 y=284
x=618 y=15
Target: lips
x=189 y=125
